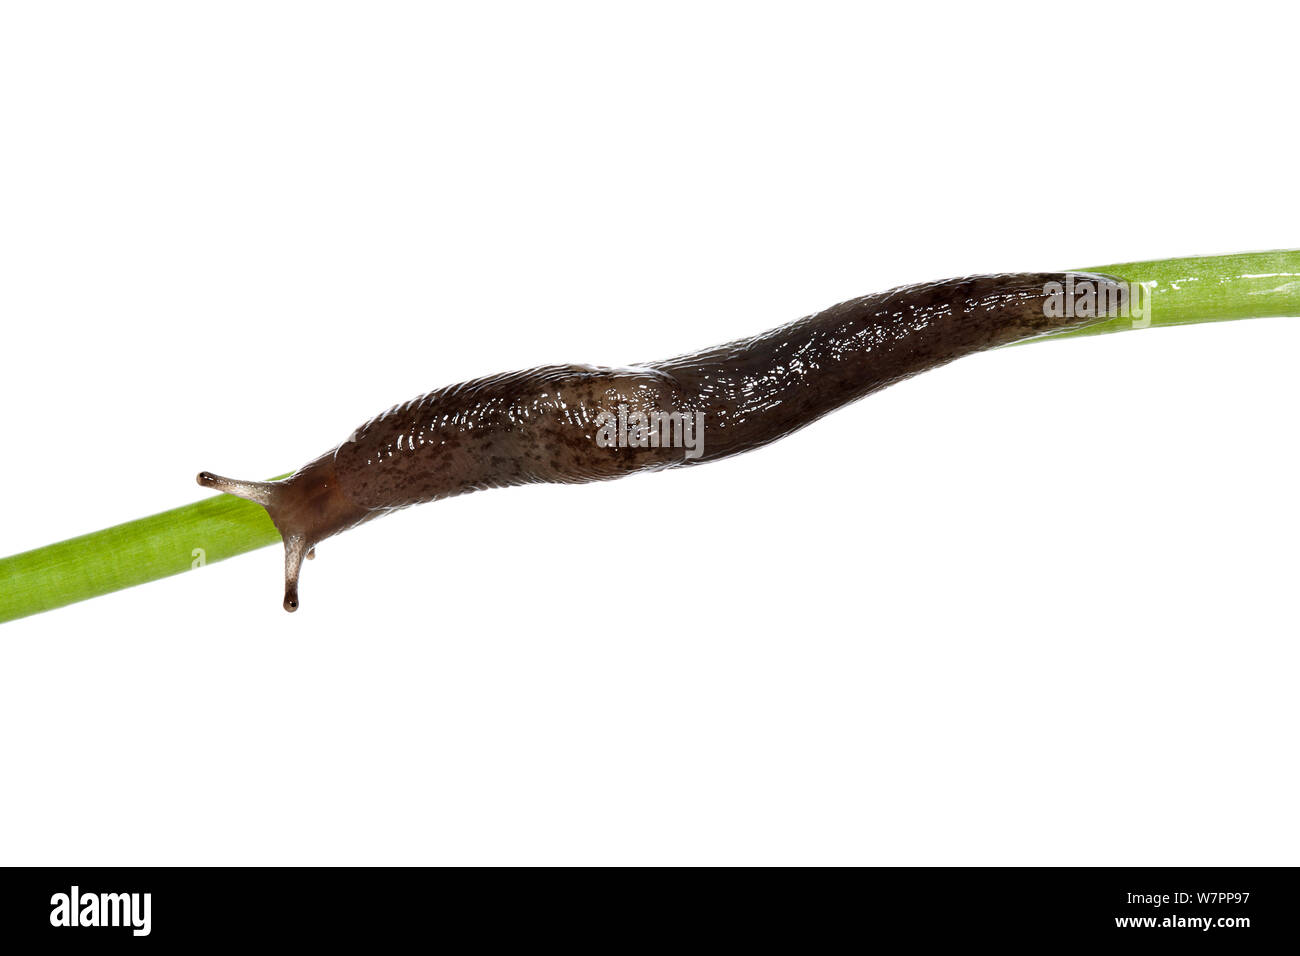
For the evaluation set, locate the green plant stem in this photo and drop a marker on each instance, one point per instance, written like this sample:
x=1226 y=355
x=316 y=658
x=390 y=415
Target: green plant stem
x=1182 y=291
x=129 y=554
x=1252 y=285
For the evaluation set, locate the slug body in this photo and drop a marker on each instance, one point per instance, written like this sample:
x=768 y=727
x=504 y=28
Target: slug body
x=579 y=423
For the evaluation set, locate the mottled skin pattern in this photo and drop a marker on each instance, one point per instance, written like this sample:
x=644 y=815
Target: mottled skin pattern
x=541 y=425
x=511 y=429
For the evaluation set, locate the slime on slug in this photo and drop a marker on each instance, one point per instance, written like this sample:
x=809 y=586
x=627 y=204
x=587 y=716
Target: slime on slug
x=544 y=424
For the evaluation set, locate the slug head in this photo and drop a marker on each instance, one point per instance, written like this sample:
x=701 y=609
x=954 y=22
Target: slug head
x=306 y=508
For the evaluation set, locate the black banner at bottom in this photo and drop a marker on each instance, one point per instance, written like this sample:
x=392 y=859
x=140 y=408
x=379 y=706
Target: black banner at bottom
x=141 y=907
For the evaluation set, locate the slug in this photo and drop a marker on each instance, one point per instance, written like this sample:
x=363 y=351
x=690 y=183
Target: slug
x=579 y=423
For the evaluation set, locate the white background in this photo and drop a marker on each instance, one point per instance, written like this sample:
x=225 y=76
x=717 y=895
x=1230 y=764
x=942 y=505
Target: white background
x=1036 y=607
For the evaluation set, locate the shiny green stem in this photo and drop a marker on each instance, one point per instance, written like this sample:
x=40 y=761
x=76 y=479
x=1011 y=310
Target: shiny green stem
x=1252 y=285
x=183 y=539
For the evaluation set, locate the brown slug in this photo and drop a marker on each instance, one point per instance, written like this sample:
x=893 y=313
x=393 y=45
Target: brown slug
x=577 y=423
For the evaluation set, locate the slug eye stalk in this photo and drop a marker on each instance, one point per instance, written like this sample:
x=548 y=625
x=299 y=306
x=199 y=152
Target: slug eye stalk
x=262 y=492
x=305 y=508
x=266 y=494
